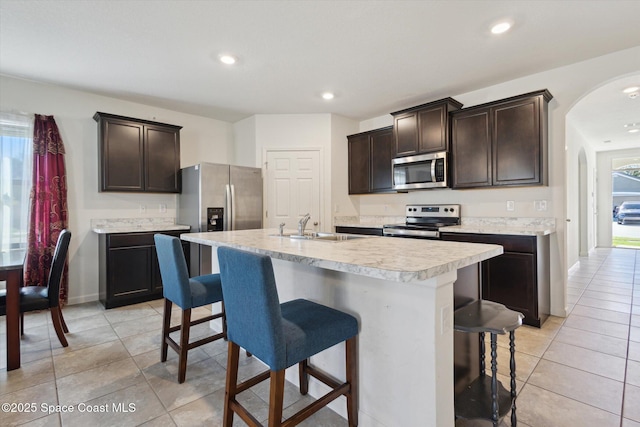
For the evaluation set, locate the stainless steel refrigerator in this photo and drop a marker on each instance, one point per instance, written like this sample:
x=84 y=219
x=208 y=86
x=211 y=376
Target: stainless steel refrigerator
x=217 y=197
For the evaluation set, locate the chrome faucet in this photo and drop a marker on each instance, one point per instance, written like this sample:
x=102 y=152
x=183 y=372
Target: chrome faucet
x=282 y=224
x=303 y=223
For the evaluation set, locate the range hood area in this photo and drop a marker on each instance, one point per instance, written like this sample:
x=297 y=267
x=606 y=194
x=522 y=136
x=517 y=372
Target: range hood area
x=503 y=143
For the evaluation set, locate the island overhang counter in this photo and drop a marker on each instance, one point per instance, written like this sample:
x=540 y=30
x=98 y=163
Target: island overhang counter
x=402 y=293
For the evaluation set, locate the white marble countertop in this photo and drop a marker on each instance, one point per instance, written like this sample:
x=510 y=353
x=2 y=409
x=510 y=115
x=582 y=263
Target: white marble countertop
x=498 y=225
x=505 y=226
x=135 y=225
x=495 y=229
x=141 y=228
x=389 y=258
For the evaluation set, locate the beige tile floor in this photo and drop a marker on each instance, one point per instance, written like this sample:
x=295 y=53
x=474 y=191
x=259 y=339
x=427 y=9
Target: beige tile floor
x=582 y=371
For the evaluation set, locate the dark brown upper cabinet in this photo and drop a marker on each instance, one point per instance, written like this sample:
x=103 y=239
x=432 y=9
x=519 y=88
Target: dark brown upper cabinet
x=423 y=129
x=370 y=155
x=501 y=143
x=138 y=155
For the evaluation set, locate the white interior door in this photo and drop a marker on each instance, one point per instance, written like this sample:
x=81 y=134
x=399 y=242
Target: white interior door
x=293 y=188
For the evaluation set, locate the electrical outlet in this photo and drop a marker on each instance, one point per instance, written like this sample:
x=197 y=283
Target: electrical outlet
x=162 y=207
x=143 y=209
x=511 y=205
x=540 y=205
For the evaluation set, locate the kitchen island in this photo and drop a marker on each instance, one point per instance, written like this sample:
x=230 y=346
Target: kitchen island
x=400 y=290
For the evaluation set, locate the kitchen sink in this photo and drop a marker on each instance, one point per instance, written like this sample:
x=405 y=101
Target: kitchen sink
x=323 y=237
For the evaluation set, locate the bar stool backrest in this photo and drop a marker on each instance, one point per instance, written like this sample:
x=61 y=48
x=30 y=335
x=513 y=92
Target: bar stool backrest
x=252 y=306
x=173 y=269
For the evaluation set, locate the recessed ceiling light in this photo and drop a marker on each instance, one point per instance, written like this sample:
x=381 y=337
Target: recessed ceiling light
x=631 y=89
x=500 y=28
x=227 y=59
x=634 y=130
x=327 y=95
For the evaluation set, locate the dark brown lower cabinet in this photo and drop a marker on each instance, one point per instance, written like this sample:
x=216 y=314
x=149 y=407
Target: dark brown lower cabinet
x=520 y=277
x=370 y=231
x=129 y=271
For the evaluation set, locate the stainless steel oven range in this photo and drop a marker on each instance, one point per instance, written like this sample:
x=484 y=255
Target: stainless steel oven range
x=424 y=221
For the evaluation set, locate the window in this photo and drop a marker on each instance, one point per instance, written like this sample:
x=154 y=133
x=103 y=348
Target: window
x=16 y=135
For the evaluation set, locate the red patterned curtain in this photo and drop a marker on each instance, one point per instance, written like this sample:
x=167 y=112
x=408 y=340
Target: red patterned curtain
x=48 y=213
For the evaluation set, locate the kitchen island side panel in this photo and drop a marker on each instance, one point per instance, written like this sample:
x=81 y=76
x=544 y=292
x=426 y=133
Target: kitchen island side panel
x=405 y=351
x=405 y=372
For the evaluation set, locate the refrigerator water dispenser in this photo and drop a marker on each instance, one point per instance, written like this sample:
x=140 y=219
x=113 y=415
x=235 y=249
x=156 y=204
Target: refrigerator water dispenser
x=215 y=219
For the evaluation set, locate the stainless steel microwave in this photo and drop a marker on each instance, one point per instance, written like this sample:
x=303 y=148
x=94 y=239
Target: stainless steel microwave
x=420 y=172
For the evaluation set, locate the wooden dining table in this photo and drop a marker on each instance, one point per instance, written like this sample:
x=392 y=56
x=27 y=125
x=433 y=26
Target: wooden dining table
x=11 y=267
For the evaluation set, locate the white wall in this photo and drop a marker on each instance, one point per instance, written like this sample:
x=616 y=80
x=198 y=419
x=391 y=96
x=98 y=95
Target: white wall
x=244 y=137
x=341 y=204
x=567 y=84
x=201 y=139
x=576 y=142
x=295 y=131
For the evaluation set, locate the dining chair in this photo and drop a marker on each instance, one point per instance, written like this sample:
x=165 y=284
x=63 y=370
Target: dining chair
x=280 y=335
x=33 y=298
x=187 y=293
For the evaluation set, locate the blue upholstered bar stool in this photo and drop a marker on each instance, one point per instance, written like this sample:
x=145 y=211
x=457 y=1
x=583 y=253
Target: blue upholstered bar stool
x=280 y=335
x=186 y=293
x=486 y=398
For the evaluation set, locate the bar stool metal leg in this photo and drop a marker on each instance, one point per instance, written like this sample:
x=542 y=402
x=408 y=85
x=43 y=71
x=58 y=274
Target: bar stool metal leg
x=494 y=379
x=512 y=368
x=486 y=398
x=482 y=355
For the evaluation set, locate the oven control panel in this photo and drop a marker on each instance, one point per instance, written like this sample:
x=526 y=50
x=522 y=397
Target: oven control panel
x=433 y=211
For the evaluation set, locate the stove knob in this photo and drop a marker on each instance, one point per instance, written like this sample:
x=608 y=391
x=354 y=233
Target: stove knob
x=446 y=209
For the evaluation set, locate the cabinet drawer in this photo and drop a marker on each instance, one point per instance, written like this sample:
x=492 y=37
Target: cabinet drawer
x=525 y=244
x=137 y=239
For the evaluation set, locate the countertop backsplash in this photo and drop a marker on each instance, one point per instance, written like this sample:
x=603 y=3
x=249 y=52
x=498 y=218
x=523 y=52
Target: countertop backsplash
x=367 y=220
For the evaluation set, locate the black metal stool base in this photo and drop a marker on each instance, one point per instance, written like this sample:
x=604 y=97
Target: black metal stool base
x=486 y=398
x=475 y=401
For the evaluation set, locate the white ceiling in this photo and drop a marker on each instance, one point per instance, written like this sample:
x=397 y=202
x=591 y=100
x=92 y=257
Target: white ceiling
x=377 y=56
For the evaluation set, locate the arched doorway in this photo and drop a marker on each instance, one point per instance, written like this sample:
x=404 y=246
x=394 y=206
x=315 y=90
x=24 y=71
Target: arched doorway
x=594 y=132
